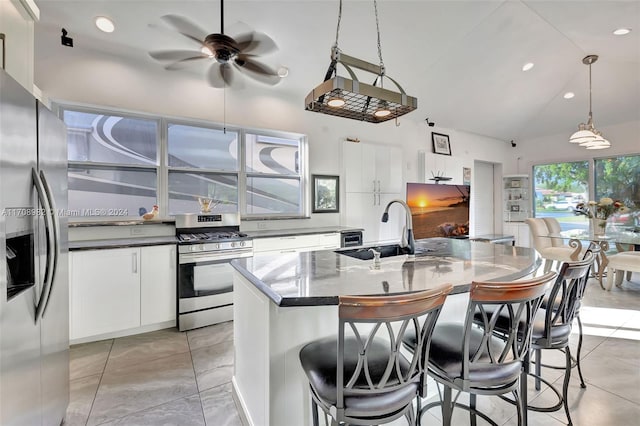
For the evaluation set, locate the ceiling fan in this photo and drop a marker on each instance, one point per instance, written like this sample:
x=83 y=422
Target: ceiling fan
x=228 y=55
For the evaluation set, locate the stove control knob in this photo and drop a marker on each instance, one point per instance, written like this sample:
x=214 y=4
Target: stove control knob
x=242 y=243
x=233 y=244
x=218 y=246
x=202 y=248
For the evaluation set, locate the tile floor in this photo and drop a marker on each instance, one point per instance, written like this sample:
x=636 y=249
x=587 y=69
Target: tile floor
x=172 y=378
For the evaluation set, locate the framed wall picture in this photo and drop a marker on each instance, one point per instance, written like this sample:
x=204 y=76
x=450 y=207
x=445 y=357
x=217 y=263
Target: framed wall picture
x=515 y=208
x=515 y=184
x=325 y=194
x=440 y=143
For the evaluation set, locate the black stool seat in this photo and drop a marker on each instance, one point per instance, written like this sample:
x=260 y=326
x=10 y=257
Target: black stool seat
x=318 y=360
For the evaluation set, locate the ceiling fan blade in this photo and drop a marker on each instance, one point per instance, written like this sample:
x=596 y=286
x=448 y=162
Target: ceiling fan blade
x=175 y=55
x=224 y=75
x=183 y=63
x=257 y=70
x=255 y=43
x=215 y=77
x=185 y=27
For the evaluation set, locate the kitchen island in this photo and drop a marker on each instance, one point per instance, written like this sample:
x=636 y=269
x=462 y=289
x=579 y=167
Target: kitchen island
x=283 y=301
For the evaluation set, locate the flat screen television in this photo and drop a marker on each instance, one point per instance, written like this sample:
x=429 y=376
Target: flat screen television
x=439 y=210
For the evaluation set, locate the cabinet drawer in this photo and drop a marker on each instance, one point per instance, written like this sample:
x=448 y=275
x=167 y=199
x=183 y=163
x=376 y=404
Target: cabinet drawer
x=297 y=242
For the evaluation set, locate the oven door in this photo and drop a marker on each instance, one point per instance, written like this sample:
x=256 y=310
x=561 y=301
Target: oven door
x=205 y=280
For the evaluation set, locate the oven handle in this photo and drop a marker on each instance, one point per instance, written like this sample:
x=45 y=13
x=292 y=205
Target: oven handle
x=209 y=257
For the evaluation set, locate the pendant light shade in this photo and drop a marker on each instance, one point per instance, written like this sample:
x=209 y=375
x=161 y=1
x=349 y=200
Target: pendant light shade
x=587 y=135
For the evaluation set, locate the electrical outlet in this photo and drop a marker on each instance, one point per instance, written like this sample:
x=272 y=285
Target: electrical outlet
x=262 y=225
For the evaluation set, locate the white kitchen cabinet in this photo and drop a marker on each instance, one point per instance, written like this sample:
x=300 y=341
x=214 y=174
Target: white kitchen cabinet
x=372 y=168
x=157 y=284
x=112 y=290
x=520 y=232
x=297 y=243
x=17 y=23
x=104 y=291
x=366 y=214
x=373 y=177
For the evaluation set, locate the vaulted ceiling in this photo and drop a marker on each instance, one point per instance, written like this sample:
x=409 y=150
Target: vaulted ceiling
x=462 y=59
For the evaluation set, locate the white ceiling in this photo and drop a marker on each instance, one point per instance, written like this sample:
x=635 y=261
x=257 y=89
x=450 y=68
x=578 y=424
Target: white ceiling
x=461 y=59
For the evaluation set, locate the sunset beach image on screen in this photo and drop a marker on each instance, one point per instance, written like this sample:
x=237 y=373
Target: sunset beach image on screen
x=439 y=210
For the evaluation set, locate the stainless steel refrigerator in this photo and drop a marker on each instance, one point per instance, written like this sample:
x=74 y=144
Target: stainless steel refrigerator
x=34 y=284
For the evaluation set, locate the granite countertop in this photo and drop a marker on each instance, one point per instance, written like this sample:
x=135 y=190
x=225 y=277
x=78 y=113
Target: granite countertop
x=266 y=233
x=320 y=277
x=120 y=243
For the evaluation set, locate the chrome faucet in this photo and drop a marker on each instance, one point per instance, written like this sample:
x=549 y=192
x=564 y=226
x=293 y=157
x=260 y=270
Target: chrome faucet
x=407 y=231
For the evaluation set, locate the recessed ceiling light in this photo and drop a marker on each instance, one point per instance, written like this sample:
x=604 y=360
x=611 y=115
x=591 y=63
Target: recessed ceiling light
x=105 y=24
x=569 y=95
x=527 y=66
x=283 y=72
x=622 y=31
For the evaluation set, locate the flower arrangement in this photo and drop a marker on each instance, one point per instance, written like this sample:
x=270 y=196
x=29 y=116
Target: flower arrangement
x=602 y=209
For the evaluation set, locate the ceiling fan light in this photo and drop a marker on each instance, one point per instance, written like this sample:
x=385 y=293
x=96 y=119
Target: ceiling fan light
x=582 y=136
x=207 y=51
x=601 y=144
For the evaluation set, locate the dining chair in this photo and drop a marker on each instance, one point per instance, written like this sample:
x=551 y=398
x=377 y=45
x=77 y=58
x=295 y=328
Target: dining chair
x=543 y=242
x=360 y=376
x=469 y=357
x=626 y=261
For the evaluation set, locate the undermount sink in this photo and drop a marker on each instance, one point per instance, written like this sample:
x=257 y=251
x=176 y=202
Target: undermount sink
x=365 y=253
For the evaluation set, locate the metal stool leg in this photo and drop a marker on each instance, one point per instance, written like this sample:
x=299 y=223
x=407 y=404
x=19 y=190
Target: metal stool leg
x=565 y=387
x=447 y=407
x=538 y=367
x=582 y=384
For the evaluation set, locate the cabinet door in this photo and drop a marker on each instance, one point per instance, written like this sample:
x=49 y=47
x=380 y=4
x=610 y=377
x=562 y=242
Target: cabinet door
x=157 y=284
x=105 y=291
x=388 y=169
x=18 y=26
x=390 y=231
x=364 y=212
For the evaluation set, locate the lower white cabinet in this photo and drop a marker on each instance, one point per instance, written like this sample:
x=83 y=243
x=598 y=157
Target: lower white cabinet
x=520 y=232
x=297 y=243
x=112 y=290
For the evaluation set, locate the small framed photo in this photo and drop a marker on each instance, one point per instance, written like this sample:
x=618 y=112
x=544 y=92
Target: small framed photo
x=440 y=143
x=325 y=194
x=515 y=184
x=514 y=208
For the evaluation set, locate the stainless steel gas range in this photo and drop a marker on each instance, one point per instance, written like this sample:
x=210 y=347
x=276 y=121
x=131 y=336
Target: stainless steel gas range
x=206 y=245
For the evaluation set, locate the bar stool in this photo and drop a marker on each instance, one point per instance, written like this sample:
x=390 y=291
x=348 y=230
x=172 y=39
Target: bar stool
x=552 y=327
x=472 y=359
x=360 y=377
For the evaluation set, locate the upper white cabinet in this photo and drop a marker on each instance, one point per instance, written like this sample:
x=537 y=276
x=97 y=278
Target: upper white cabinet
x=372 y=168
x=16 y=23
x=373 y=177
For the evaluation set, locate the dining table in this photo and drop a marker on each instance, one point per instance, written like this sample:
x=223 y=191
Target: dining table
x=620 y=237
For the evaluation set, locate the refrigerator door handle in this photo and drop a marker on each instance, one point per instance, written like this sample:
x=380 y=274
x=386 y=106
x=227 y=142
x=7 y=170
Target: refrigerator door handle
x=44 y=202
x=56 y=237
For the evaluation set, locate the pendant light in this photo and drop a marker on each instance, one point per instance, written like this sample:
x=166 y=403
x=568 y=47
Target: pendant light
x=350 y=98
x=587 y=135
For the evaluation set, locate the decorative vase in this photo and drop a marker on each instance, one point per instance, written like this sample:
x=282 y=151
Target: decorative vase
x=598 y=226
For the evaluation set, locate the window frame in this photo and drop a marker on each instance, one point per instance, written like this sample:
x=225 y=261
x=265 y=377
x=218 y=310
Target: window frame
x=162 y=168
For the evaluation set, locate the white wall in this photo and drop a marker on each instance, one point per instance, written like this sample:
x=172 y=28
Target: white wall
x=95 y=78
x=624 y=138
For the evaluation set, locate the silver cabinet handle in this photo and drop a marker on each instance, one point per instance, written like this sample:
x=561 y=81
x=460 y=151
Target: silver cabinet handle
x=134 y=265
x=374 y=198
x=53 y=212
x=374 y=185
x=378 y=186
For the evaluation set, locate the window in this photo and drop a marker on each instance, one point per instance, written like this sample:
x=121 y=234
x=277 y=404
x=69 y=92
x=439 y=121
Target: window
x=203 y=163
x=273 y=175
x=619 y=178
x=113 y=166
x=558 y=188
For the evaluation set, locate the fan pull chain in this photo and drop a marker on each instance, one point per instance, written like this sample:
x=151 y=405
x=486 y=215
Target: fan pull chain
x=338 y=26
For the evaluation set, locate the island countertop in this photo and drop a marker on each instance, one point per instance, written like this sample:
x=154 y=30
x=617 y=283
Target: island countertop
x=320 y=277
